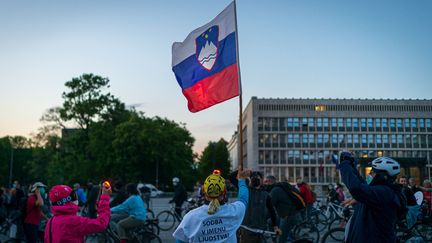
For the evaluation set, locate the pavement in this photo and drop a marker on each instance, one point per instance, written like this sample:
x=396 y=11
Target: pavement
x=157 y=205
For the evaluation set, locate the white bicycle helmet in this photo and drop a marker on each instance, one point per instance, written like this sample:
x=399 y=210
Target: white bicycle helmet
x=175 y=180
x=389 y=165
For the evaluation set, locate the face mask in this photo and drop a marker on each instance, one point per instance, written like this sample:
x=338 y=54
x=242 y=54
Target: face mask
x=75 y=202
x=369 y=179
x=42 y=190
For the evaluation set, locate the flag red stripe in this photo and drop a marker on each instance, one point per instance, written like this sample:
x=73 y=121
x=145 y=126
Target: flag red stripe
x=213 y=90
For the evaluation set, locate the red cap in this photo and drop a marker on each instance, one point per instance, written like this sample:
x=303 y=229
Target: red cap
x=60 y=193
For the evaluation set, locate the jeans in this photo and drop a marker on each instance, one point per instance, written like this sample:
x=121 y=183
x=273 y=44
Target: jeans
x=287 y=224
x=125 y=224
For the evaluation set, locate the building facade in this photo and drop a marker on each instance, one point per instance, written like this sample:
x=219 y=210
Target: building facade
x=292 y=138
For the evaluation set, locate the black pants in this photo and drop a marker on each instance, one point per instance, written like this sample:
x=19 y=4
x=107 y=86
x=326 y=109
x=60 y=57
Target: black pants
x=31 y=232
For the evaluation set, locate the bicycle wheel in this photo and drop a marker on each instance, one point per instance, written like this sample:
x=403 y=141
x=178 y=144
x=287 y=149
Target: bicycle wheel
x=334 y=235
x=306 y=231
x=337 y=223
x=166 y=220
x=320 y=220
x=153 y=227
x=423 y=230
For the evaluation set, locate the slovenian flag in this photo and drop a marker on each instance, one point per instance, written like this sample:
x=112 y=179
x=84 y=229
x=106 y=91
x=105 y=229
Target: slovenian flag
x=205 y=63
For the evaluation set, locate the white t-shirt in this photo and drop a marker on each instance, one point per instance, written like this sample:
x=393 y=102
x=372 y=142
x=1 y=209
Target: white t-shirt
x=199 y=226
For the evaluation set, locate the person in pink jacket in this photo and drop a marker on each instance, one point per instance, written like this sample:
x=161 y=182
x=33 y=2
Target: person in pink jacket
x=66 y=226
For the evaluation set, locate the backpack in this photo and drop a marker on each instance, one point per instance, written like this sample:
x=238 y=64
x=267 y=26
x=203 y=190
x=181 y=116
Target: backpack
x=293 y=194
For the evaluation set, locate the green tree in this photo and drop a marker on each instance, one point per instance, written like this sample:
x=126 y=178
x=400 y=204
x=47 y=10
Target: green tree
x=86 y=102
x=214 y=156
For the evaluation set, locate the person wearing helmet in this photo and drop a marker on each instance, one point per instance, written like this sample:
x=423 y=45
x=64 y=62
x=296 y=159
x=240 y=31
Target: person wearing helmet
x=33 y=211
x=180 y=196
x=217 y=220
x=66 y=225
x=379 y=200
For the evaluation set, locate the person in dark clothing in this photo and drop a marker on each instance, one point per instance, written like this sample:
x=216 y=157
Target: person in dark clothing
x=379 y=200
x=269 y=182
x=408 y=193
x=285 y=208
x=259 y=209
x=332 y=195
x=93 y=194
x=180 y=195
x=17 y=193
x=119 y=194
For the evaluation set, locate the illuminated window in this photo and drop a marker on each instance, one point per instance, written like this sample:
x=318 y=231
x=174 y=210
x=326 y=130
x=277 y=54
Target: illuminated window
x=320 y=108
x=380 y=154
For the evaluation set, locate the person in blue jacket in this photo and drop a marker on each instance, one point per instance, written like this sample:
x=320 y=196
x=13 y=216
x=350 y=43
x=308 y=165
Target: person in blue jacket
x=380 y=201
x=132 y=212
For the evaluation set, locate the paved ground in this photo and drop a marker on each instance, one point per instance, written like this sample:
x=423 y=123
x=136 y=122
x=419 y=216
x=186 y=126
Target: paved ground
x=158 y=205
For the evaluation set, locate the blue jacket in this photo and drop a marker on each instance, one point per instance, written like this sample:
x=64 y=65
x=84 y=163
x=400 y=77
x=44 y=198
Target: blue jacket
x=133 y=206
x=375 y=216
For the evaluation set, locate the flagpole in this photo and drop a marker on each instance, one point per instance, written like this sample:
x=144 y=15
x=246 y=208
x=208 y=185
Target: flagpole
x=240 y=139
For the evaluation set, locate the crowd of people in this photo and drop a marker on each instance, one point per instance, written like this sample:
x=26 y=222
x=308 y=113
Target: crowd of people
x=380 y=199
x=380 y=202
x=71 y=213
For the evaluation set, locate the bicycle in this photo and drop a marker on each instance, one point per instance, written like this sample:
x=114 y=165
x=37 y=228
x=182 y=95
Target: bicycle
x=334 y=235
x=318 y=218
x=266 y=236
x=139 y=234
x=420 y=230
x=306 y=231
x=332 y=211
x=167 y=219
x=9 y=226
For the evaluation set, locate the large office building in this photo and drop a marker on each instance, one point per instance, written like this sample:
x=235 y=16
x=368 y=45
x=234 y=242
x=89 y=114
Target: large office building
x=292 y=138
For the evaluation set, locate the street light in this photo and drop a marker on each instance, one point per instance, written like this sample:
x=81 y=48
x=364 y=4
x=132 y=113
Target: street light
x=11 y=165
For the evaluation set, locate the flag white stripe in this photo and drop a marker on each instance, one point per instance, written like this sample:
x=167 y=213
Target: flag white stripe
x=226 y=22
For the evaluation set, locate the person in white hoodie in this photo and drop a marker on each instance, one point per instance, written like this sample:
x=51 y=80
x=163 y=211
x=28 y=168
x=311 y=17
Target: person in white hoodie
x=215 y=221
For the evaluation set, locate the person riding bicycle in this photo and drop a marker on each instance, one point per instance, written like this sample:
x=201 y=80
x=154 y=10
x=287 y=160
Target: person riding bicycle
x=306 y=192
x=379 y=200
x=217 y=220
x=259 y=209
x=180 y=196
x=131 y=213
x=66 y=225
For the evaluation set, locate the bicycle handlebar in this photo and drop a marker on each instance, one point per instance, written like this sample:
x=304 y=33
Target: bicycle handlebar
x=258 y=231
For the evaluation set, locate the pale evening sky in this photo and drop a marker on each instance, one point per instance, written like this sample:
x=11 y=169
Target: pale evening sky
x=300 y=49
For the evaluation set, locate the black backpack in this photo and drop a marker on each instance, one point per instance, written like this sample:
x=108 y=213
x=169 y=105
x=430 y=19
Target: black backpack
x=293 y=194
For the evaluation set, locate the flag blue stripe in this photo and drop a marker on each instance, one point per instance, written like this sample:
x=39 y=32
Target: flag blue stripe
x=189 y=71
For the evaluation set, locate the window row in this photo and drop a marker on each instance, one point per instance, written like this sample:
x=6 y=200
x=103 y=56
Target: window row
x=281 y=124
x=320 y=108
x=309 y=174
x=286 y=140
x=324 y=156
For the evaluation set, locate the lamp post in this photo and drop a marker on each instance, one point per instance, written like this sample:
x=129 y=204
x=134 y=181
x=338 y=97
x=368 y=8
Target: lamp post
x=11 y=165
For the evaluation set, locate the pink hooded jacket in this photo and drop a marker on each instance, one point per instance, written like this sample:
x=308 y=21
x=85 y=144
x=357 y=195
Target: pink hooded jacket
x=68 y=227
